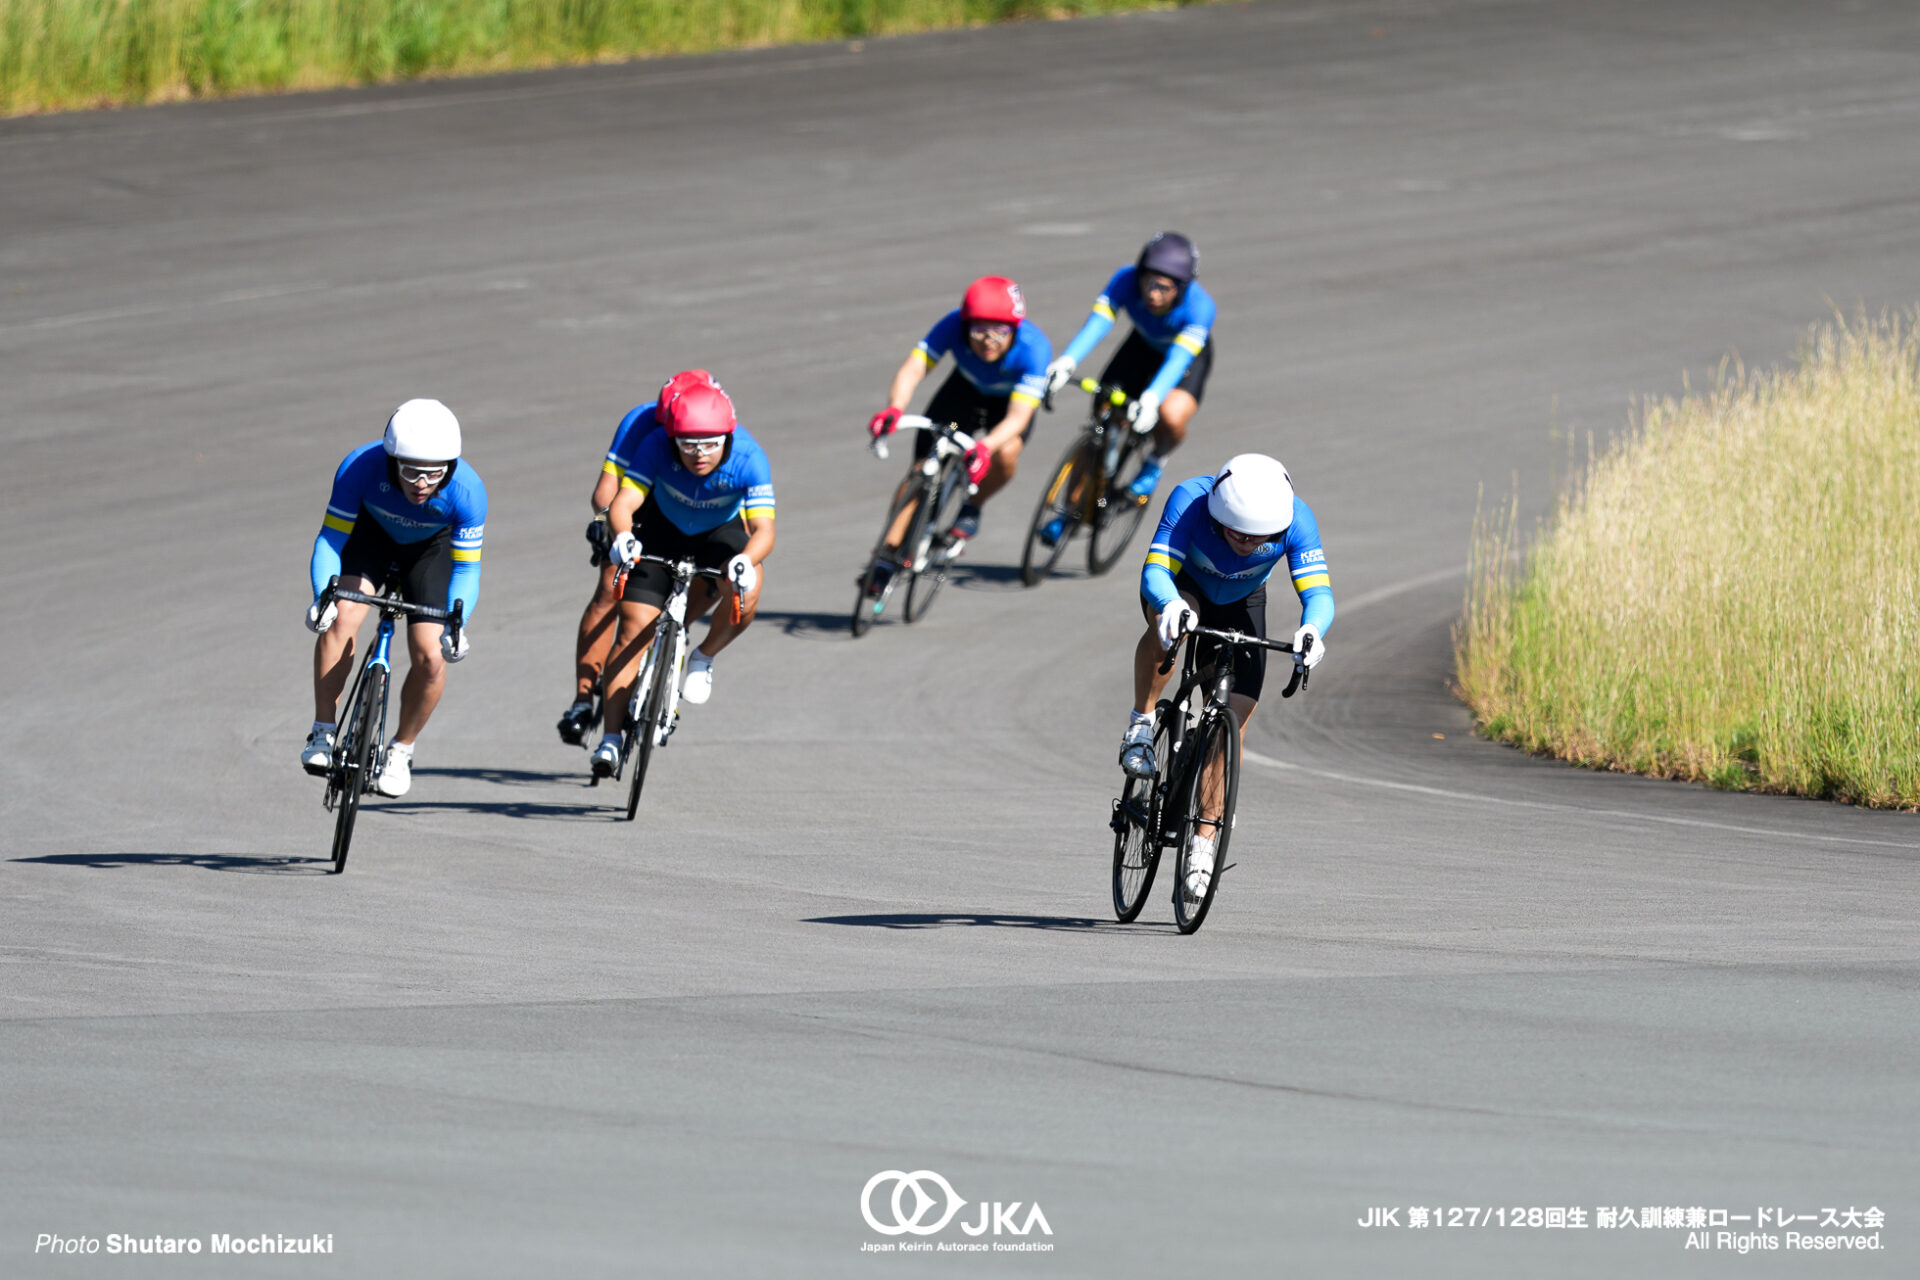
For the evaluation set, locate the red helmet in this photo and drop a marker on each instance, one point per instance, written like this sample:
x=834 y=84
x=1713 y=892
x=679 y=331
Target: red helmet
x=697 y=409
x=993 y=300
x=663 y=403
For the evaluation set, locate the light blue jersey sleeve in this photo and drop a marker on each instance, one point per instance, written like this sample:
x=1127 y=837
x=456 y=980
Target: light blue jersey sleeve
x=1169 y=549
x=343 y=508
x=1100 y=320
x=1307 y=562
x=469 y=524
x=1197 y=325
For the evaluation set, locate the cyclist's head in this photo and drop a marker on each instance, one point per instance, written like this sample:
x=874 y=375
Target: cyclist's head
x=992 y=311
x=699 y=420
x=1252 y=500
x=423 y=447
x=675 y=385
x=1168 y=263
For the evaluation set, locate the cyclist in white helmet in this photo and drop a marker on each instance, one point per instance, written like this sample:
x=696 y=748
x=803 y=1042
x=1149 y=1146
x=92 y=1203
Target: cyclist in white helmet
x=1220 y=539
x=404 y=509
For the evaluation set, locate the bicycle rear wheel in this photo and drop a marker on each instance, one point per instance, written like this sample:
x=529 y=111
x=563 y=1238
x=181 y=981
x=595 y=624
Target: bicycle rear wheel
x=352 y=761
x=644 y=724
x=935 y=555
x=1115 y=513
x=1210 y=784
x=1136 y=827
x=1075 y=470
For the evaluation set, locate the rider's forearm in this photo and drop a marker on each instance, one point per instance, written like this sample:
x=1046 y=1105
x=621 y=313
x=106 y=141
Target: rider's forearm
x=326 y=558
x=1172 y=369
x=605 y=490
x=1097 y=327
x=626 y=504
x=464 y=588
x=1156 y=584
x=906 y=381
x=1316 y=608
x=759 y=540
x=1019 y=415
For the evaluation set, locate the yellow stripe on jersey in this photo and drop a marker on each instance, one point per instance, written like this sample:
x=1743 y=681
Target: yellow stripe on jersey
x=1025 y=397
x=1164 y=560
x=628 y=482
x=758 y=513
x=460 y=554
x=1312 y=580
x=613 y=468
x=335 y=523
x=927 y=356
x=1102 y=310
x=1187 y=344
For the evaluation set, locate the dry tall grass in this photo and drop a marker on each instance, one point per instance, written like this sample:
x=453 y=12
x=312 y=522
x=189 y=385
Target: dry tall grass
x=1731 y=592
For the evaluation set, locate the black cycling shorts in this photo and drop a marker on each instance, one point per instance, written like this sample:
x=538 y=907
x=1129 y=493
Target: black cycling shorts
x=423 y=570
x=651 y=584
x=966 y=406
x=1135 y=365
x=1248 y=616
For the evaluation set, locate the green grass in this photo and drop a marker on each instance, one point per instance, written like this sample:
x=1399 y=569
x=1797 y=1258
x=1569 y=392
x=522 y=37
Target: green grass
x=1731 y=593
x=59 y=54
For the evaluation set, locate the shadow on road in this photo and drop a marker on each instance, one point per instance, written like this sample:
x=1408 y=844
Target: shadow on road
x=254 y=864
x=506 y=777
x=988 y=577
x=955 y=919
x=808 y=626
x=538 y=810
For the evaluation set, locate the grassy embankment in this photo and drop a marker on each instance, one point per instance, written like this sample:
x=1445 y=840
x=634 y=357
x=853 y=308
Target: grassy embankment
x=59 y=54
x=1731 y=593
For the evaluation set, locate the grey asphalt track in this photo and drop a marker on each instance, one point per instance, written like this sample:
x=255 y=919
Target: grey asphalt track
x=863 y=923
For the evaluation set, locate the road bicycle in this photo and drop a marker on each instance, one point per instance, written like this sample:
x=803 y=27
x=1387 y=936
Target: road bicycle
x=653 y=713
x=361 y=751
x=936 y=488
x=1196 y=756
x=1089 y=489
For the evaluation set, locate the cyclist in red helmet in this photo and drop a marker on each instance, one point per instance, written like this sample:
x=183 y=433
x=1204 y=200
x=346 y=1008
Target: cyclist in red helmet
x=595 y=638
x=698 y=486
x=999 y=378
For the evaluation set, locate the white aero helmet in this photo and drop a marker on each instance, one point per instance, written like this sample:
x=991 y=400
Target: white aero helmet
x=1253 y=494
x=423 y=431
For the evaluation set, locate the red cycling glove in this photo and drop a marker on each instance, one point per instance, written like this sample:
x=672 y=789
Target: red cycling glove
x=883 y=423
x=979 y=458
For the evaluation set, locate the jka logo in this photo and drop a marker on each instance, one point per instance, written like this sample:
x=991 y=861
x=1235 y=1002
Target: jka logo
x=1001 y=1217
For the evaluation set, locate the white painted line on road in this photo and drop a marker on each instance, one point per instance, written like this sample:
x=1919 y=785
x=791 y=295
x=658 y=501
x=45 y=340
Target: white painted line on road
x=1378 y=594
x=1254 y=757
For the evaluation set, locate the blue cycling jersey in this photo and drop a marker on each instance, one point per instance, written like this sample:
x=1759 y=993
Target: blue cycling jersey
x=362 y=489
x=627 y=437
x=1021 y=374
x=742 y=485
x=1189 y=540
x=1181 y=333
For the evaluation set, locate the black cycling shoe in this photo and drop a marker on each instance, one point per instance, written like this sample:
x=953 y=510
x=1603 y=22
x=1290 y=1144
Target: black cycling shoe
x=574 y=724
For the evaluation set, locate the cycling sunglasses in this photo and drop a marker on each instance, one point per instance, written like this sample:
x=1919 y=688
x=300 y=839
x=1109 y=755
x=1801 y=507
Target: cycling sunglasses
x=423 y=475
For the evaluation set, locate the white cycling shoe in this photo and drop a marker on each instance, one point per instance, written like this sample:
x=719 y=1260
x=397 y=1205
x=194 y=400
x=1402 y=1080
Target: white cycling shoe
x=1136 y=750
x=605 y=759
x=317 y=756
x=1199 y=868
x=698 y=686
x=396 y=776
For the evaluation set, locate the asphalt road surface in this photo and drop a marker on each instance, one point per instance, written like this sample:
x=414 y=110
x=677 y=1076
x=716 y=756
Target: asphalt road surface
x=863 y=923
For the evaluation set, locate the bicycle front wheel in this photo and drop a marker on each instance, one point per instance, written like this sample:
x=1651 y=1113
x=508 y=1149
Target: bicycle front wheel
x=1075 y=471
x=932 y=544
x=1136 y=828
x=644 y=723
x=353 y=760
x=1210 y=783
x=1115 y=514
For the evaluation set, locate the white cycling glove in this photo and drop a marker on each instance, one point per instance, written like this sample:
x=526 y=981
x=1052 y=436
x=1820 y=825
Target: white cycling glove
x=318 y=619
x=450 y=651
x=625 y=549
x=742 y=573
x=1146 y=412
x=1303 y=656
x=1176 y=620
x=1060 y=372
